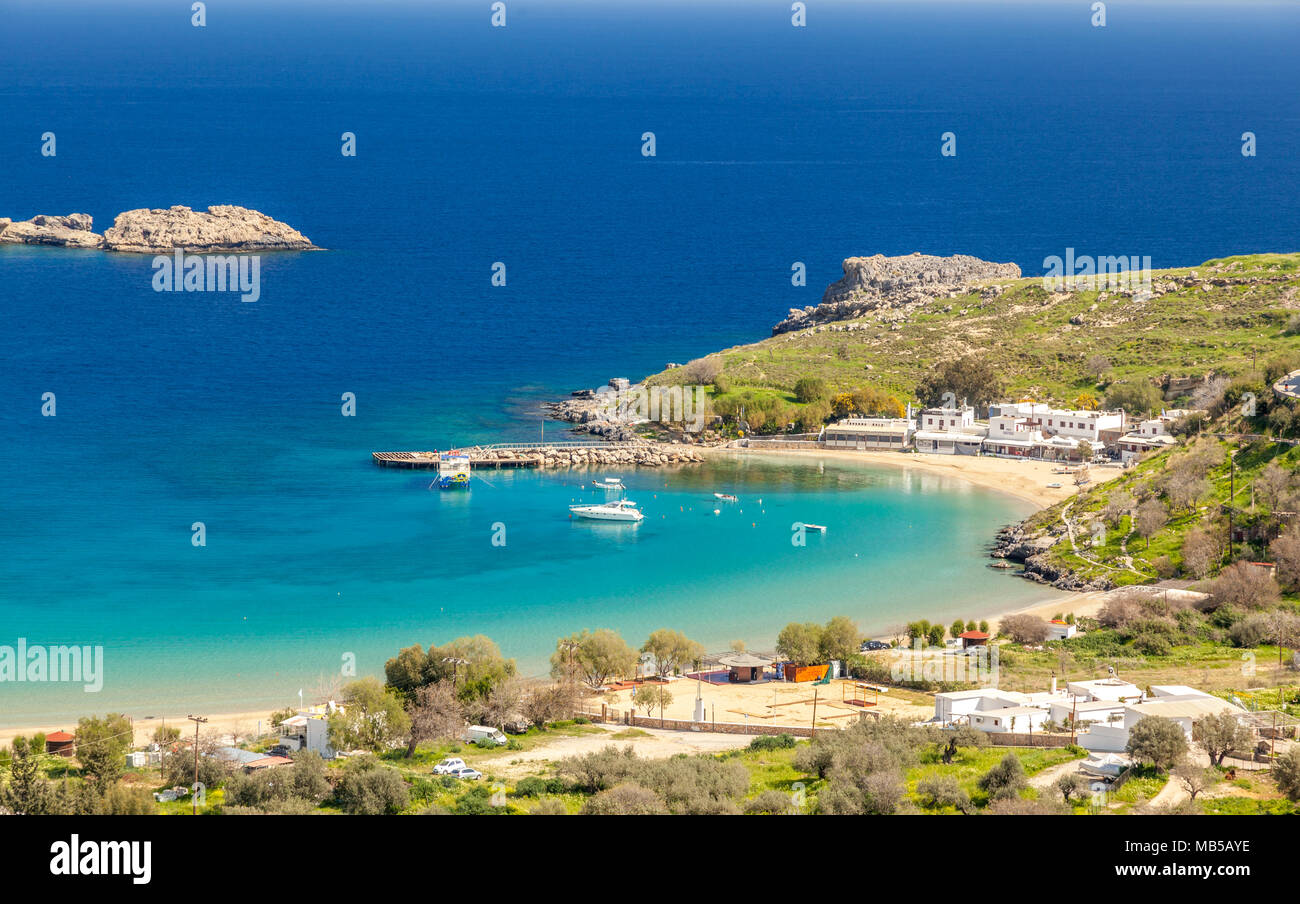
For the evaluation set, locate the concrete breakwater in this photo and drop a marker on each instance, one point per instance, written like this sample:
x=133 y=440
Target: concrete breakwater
x=552 y=456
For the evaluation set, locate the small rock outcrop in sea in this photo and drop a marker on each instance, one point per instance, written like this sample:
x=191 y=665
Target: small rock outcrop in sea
x=875 y=282
x=222 y=227
x=71 y=231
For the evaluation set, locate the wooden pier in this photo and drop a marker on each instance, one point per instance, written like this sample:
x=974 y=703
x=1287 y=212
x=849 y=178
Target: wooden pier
x=501 y=455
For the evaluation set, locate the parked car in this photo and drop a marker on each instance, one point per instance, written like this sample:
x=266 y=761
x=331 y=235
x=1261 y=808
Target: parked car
x=466 y=773
x=869 y=645
x=449 y=765
x=485 y=736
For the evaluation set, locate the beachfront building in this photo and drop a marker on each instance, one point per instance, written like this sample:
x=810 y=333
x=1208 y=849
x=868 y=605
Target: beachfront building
x=890 y=434
x=1034 y=430
x=744 y=667
x=1178 y=703
x=949 y=431
x=60 y=743
x=947 y=420
x=1132 y=446
x=308 y=730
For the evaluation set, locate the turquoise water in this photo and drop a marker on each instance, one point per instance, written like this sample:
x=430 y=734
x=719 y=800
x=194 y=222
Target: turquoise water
x=522 y=145
x=382 y=562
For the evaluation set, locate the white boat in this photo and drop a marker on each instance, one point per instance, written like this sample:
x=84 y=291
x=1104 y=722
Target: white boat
x=821 y=528
x=607 y=483
x=725 y=497
x=622 y=510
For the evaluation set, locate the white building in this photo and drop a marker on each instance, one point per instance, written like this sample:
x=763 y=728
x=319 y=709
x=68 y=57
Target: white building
x=1110 y=689
x=947 y=420
x=1132 y=445
x=954 y=706
x=1012 y=718
x=1060 y=630
x=869 y=433
x=307 y=731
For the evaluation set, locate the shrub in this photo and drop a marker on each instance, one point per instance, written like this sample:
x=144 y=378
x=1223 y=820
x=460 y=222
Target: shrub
x=1005 y=779
x=369 y=789
x=625 y=800
x=770 y=803
x=772 y=742
x=938 y=791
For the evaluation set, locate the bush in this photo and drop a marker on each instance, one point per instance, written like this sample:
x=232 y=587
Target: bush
x=536 y=786
x=770 y=803
x=1024 y=629
x=810 y=389
x=939 y=791
x=1005 y=779
x=369 y=789
x=625 y=800
x=1286 y=772
x=1251 y=631
x=1157 y=741
x=772 y=742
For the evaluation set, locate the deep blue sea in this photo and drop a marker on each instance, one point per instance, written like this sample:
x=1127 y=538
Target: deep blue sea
x=522 y=145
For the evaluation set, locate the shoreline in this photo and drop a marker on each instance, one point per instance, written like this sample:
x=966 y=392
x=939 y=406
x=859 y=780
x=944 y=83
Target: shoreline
x=1023 y=480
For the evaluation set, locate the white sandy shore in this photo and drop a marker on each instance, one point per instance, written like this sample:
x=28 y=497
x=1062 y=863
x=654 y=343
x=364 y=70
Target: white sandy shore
x=1021 y=478
x=1025 y=480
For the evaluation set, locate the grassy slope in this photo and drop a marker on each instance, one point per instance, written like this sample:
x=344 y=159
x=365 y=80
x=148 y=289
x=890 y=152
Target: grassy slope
x=1027 y=334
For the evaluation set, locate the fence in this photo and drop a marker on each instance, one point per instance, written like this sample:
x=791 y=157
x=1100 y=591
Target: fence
x=607 y=716
x=1019 y=739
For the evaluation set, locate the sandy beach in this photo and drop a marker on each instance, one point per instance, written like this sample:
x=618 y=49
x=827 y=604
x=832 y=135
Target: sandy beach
x=1022 y=478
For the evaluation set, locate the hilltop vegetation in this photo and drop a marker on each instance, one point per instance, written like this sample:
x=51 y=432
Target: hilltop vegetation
x=1226 y=317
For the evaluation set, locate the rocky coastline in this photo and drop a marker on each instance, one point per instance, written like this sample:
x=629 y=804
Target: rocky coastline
x=1029 y=547
x=896 y=284
x=221 y=228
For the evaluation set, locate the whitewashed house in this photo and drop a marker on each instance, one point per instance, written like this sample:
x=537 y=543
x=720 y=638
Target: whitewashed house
x=1060 y=630
x=891 y=434
x=955 y=706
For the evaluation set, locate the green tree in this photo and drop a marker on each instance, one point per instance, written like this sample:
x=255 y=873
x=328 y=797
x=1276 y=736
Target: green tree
x=672 y=650
x=1157 y=741
x=971 y=379
x=473 y=664
x=28 y=792
x=651 y=697
x=1221 y=734
x=1286 y=772
x=372 y=717
x=840 y=639
x=102 y=745
x=1135 y=397
x=800 y=643
x=595 y=656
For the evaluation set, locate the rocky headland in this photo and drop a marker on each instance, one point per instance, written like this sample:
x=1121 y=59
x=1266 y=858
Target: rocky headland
x=221 y=228
x=900 y=283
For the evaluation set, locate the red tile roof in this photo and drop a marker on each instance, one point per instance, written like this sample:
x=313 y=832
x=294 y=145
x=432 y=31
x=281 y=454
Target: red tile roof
x=973 y=635
x=59 y=736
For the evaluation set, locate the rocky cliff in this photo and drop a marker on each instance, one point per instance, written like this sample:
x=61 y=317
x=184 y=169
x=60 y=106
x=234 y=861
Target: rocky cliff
x=221 y=227
x=875 y=282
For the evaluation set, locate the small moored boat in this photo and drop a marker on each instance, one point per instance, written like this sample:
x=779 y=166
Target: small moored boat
x=820 y=528
x=725 y=497
x=607 y=483
x=622 y=510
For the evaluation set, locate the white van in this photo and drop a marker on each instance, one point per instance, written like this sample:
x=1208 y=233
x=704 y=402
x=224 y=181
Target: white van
x=484 y=736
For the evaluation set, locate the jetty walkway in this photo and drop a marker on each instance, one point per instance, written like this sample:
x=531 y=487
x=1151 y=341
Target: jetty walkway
x=496 y=456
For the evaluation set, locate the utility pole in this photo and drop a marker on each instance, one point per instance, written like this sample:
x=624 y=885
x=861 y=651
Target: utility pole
x=814 y=717
x=194 y=800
